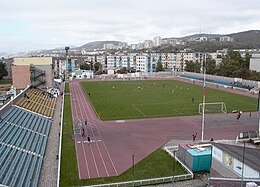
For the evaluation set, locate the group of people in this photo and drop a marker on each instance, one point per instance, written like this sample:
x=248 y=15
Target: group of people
x=47 y=95
x=83 y=134
x=83 y=131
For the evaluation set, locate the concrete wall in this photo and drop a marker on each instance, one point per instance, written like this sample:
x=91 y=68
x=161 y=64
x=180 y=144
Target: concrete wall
x=33 y=60
x=21 y=76
x=255 y=62
x=233 y=164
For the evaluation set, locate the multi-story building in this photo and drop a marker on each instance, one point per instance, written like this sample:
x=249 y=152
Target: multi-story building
x=148 y=44
x=121 y=61
x=32 y=71
x=255 y=62
x=225 y=39
x=168 y=60
x=145 y=63
x=157 y=41
x=111 y=62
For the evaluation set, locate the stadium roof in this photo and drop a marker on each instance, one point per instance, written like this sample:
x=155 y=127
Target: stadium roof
x=252 y=155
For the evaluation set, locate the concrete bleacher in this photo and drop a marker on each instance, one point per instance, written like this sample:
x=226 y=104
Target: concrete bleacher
x=23 y=140
x=38 y=101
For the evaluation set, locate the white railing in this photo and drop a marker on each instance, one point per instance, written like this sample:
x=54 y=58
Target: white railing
x=147 y=181
x=61 y=125
x=167 y=149
x=234 y=179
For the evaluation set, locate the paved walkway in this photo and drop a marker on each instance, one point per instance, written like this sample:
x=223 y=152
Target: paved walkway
x=49 y=171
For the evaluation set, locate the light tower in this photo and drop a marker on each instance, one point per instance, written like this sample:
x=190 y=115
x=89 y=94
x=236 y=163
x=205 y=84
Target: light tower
x=66 y=63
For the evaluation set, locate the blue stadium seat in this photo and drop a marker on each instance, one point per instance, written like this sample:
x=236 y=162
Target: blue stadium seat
x=18 y=116
x=37 y=128
x=6 y=162
x=30 y=175
x=30 y=141
x=7 y=133
x=48 y=127
x=29 y=121
x=36 y=139
x=14 y=139
x=37 y=174
x=3 y=157
x=12 y=167
x=18 y=128
x=34 y=122
x=39 y=145
x=24 y=171
x=18 y=169
x=25 y=140
x=3 y=128
x=44 y=145
x=21 y=138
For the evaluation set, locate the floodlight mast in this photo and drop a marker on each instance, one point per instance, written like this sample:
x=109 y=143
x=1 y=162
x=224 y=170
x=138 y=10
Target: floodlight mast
x=204 y=99
x=67 y=62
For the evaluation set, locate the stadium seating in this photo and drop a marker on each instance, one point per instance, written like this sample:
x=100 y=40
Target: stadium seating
x=23 y=140
x=38 y=101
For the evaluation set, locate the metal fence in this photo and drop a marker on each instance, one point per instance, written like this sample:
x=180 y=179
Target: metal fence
x=147 y=181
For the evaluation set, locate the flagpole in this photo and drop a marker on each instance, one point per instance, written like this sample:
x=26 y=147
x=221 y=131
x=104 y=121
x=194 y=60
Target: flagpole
x=204 y=98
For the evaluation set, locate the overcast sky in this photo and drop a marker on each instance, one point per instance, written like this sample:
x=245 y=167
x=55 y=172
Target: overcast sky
x=44 y=24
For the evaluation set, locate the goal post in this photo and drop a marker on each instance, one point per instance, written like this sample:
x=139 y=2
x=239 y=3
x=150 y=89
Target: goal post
x=211 y=108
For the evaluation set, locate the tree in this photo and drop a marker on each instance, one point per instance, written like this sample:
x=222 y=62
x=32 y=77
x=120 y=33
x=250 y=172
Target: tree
x=84 y=66
x=159 y=66
x=246 y=61
x=255 y=76
x=3 y=71
x=98 y=67
x=192 y=66
x=122 y=71
x=230 y=64
x=211 y=66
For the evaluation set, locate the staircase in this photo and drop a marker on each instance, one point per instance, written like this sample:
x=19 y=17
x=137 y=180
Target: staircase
x=37 y=76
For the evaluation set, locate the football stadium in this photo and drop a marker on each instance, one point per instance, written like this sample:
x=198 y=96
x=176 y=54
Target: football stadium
x=124 y=131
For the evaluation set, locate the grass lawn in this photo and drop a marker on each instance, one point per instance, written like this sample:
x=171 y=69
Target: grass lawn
x=161 y=98
x=6 y=81
x=157 y=164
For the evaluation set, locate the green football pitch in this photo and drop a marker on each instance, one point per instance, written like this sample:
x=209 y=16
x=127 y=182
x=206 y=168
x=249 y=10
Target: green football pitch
x=114 y=100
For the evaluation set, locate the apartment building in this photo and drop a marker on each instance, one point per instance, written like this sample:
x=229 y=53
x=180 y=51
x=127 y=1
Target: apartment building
x=255 y=62
x=157 y=41
x=225 y=39
x=121 y=61
x=168 y=60
x=145 y=63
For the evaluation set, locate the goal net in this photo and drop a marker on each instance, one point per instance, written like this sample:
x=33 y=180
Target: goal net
x=211 y=108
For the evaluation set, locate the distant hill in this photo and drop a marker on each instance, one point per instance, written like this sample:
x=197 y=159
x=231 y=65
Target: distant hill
x=98 y=45
x=251 y=37
x=241 y=40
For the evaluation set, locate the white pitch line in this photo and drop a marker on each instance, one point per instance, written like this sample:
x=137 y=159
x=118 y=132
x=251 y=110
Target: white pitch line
x=177 y=111
x=138 y=110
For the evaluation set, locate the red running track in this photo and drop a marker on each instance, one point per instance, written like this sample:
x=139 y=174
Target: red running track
x=113 y=143
x=93 y=158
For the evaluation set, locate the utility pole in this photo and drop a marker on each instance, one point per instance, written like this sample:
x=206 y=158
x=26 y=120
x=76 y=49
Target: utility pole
x=133 y=161
x=204 y=100
x=243 y=164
